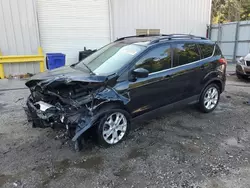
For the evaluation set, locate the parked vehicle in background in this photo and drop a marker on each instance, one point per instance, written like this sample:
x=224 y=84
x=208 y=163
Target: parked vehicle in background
x=125 y=79
x=243 y=67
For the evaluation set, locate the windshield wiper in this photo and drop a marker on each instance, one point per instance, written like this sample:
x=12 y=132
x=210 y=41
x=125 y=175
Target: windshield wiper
x=91 y=72
x=89 y=69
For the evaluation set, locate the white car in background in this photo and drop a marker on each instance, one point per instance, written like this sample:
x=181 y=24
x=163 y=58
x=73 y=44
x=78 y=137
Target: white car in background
x=243 y=67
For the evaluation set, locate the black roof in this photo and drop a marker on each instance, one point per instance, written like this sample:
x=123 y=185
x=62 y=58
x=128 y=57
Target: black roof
x=147 y=40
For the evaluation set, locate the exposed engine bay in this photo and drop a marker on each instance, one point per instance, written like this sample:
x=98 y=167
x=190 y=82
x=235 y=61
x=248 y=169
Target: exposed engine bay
x=69 y=103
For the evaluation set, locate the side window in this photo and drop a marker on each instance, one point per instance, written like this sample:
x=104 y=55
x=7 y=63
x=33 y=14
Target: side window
x=156 y=60
x=217 y=50
x=207 y=50
x=185 y=53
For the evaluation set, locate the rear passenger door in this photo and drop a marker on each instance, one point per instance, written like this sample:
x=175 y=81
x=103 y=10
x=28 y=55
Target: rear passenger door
x=186 y=68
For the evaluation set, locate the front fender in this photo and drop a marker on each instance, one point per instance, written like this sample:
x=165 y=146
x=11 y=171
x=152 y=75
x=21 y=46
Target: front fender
x=108 y=95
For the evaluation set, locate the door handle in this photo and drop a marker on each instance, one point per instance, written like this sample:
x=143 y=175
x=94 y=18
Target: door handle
x=202 y=67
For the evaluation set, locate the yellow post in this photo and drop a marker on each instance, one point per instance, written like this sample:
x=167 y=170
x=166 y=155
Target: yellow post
x=1 y=69
x=40 y=52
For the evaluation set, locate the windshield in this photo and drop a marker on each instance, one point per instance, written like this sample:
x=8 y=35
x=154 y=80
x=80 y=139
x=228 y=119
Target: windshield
x=111 y=58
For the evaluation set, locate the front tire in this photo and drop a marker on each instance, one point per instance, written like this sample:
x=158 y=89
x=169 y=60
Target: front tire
x=209 y=98
x=240 y=77
x=113 y=127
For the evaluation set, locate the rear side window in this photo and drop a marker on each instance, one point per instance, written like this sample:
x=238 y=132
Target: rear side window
x=207 y=50
x=156 y=60
x=185 y=53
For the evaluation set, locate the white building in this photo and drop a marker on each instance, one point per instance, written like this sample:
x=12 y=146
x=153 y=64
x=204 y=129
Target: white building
x=67 y=26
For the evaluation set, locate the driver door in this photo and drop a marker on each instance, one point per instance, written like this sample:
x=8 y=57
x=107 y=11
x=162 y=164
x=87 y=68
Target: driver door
x=149 y=93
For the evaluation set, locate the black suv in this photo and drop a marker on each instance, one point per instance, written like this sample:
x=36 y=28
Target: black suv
x=124 y=79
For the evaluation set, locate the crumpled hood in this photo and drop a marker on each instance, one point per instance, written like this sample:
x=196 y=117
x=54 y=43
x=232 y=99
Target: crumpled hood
x=67 y=73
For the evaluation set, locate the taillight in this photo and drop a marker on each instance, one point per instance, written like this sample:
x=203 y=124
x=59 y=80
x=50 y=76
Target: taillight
x=223 y=61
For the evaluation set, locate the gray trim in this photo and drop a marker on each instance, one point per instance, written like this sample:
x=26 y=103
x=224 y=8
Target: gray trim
x=236 y=41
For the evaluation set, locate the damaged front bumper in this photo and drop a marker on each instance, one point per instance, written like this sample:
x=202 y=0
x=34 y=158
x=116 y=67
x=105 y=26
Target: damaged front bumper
x=69 y=103
x=75 y=122
x=42 y=114
x=45 y=115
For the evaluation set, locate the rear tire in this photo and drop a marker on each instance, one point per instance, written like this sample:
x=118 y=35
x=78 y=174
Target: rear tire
x=238 y=76
x=209 y=98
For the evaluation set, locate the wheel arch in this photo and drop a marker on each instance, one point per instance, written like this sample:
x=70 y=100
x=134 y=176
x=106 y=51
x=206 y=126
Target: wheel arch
x=99 y=113
x=112 y=104
x=216 y=81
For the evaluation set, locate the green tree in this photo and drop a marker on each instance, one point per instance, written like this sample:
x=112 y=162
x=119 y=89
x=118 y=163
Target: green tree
x=230 y=10
x=245 y=13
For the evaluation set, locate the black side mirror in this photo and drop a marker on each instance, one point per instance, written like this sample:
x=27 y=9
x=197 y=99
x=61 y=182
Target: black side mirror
x=140 y=73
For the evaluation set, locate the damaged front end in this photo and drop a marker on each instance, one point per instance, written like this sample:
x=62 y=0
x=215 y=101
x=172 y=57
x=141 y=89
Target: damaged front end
x=70 y=103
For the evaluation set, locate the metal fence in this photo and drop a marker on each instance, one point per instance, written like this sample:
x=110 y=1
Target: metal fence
x=233 y=38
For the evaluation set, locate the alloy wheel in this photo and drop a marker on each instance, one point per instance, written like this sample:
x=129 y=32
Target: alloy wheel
x=211 y=98
x=114 y=128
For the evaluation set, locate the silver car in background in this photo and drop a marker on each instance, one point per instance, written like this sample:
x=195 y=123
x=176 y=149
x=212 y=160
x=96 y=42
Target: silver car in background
x=243 y=67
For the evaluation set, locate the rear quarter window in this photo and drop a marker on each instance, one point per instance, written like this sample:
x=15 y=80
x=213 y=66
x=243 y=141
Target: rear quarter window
x=207 y=50
x=217 y=50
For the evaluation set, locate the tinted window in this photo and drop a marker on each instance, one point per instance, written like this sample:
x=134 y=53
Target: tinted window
x=217 y=50
x=207 y=50
x=185 y=53
x=156 y=60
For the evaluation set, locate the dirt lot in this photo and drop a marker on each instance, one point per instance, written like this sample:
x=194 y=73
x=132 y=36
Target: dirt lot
x=181 y=148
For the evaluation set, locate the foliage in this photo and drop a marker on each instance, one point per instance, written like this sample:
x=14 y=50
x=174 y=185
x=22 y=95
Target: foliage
x=230 y=10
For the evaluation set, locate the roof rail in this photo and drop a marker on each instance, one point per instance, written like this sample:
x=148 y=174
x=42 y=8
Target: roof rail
x=164 y=37
x=150 y=35
x=173 y=36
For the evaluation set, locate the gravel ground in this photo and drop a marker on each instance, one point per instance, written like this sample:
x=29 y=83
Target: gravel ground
x=178 y=148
